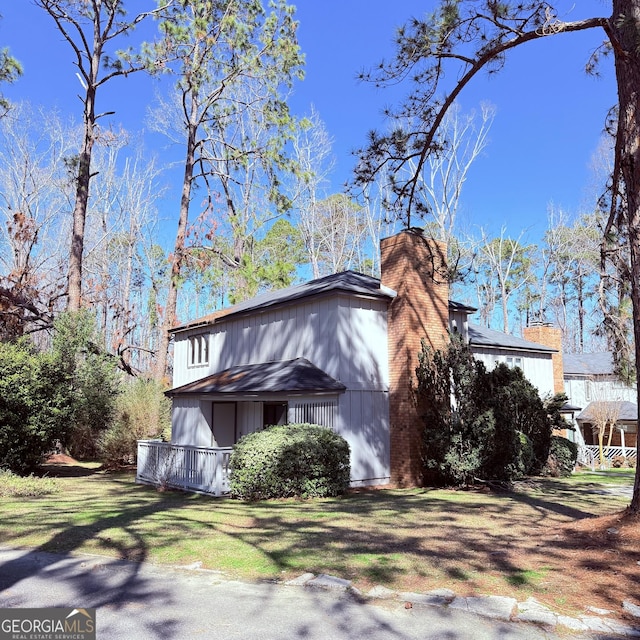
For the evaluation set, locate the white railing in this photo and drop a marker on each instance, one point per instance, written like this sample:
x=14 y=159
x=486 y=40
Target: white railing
x=203 y=469
x=589 y=455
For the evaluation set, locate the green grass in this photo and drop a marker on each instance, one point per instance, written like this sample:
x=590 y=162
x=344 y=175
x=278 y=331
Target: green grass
x=473 y=541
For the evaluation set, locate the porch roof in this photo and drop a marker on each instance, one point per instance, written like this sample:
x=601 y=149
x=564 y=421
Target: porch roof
x=283 y=376
x=626 y=412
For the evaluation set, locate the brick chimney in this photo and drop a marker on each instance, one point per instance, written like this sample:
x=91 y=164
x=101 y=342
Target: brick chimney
x=549 y=336
x=416 y=269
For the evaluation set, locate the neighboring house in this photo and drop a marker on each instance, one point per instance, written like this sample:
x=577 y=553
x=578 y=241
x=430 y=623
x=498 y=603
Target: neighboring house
x=536 y=360
x=592 y=386
x=340 y=351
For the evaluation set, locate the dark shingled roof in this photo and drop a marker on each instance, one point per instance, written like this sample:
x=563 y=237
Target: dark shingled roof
x=460 y=306
x=284 y=376
x=626 y=411
x=588 y=364
x=346 y=281
x=483 y=337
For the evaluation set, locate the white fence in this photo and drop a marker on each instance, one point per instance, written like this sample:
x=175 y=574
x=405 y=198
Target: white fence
x=589 y=455
x=202 y=469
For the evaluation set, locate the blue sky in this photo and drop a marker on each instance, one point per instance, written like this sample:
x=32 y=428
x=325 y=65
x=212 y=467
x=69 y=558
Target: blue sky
x=549 y=120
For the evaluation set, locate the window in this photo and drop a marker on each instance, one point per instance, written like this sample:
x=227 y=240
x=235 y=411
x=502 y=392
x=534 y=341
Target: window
x=198 y=350
x=274 y=413
x=514 y=362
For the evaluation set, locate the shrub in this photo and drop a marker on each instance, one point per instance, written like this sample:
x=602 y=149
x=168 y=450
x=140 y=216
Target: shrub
x=562 y=457
x=482 y=424
x=284 y=461
x=142 y=412
x=13 y=486
x=35 y=407
x=92 y=380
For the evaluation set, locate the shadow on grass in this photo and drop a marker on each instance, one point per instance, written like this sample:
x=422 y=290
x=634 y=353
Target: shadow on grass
x=68 y=470
x=380 y=536
x=96 y=587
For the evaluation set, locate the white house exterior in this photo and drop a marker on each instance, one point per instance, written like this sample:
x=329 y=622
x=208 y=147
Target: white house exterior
x=494 y=347
x=340 y=351
x=337 y=324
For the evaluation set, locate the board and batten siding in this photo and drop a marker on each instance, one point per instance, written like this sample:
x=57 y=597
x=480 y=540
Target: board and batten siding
x=537 y=367
x=581 y=391
x=345 y=336
x=191 y=422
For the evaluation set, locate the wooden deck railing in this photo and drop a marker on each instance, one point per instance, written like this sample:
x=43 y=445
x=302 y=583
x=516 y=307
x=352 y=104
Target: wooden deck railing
x=202 y=469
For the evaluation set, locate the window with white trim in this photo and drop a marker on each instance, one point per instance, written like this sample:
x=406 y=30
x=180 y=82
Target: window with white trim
x=199 y=350
x=512 y=363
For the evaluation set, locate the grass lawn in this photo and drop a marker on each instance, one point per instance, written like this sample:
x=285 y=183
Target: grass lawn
x=541 y=540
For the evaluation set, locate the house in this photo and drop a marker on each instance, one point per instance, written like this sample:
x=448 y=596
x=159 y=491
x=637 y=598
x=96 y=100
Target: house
x=340 y=351
x=536 y=360
x=598 y=394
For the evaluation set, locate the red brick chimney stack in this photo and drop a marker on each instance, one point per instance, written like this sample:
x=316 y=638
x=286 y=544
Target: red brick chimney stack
x=415 y=267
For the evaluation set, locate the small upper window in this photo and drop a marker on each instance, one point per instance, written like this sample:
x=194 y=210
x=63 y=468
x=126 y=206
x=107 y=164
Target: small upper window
x=198 y=350
x=512 y=363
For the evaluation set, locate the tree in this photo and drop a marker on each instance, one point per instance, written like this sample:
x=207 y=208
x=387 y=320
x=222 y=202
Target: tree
x=217 y=46
x=490 y=425
x=460 y=141
x=10 y=71
x=34 y=187
x=605 y=413
x=502 y=269
x=90 y=27
x=473 y=36
x=35 y=406
x=90 y=380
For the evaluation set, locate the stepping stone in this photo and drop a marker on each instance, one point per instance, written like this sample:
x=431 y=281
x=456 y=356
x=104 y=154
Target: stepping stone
x=381 y=592
x=533 y=611
x=300 y=581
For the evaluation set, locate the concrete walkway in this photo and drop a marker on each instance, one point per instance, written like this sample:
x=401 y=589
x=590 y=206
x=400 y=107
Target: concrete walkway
x=146 y=601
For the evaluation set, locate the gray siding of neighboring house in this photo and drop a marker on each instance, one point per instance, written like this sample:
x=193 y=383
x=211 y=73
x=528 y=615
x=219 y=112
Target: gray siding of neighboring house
x=345 y=336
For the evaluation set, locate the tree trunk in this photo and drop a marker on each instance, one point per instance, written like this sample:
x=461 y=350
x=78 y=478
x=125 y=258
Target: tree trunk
x=74 y=300
x=624 y=32
x=178 y=253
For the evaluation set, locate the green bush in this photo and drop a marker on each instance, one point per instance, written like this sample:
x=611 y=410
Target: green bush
x=92 y=381
x=562 y=457
x=35 y=407
x=490 y=425
x=290 y=460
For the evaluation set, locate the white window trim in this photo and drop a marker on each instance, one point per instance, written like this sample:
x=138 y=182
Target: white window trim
x=198 y=350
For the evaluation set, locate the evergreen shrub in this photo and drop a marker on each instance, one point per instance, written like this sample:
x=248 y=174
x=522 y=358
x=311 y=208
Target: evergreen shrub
x=293 y=460
x=562 y=457
x=479 y=424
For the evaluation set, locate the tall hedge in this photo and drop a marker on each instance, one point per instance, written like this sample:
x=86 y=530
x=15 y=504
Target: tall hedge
x=35 y=408
x=482 y=424
x=290 y=460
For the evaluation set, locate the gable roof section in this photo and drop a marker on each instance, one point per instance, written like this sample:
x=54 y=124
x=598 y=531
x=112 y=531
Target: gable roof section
x=588 y=364
x=350 y=282
x=489 y=338
x=284 y=376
